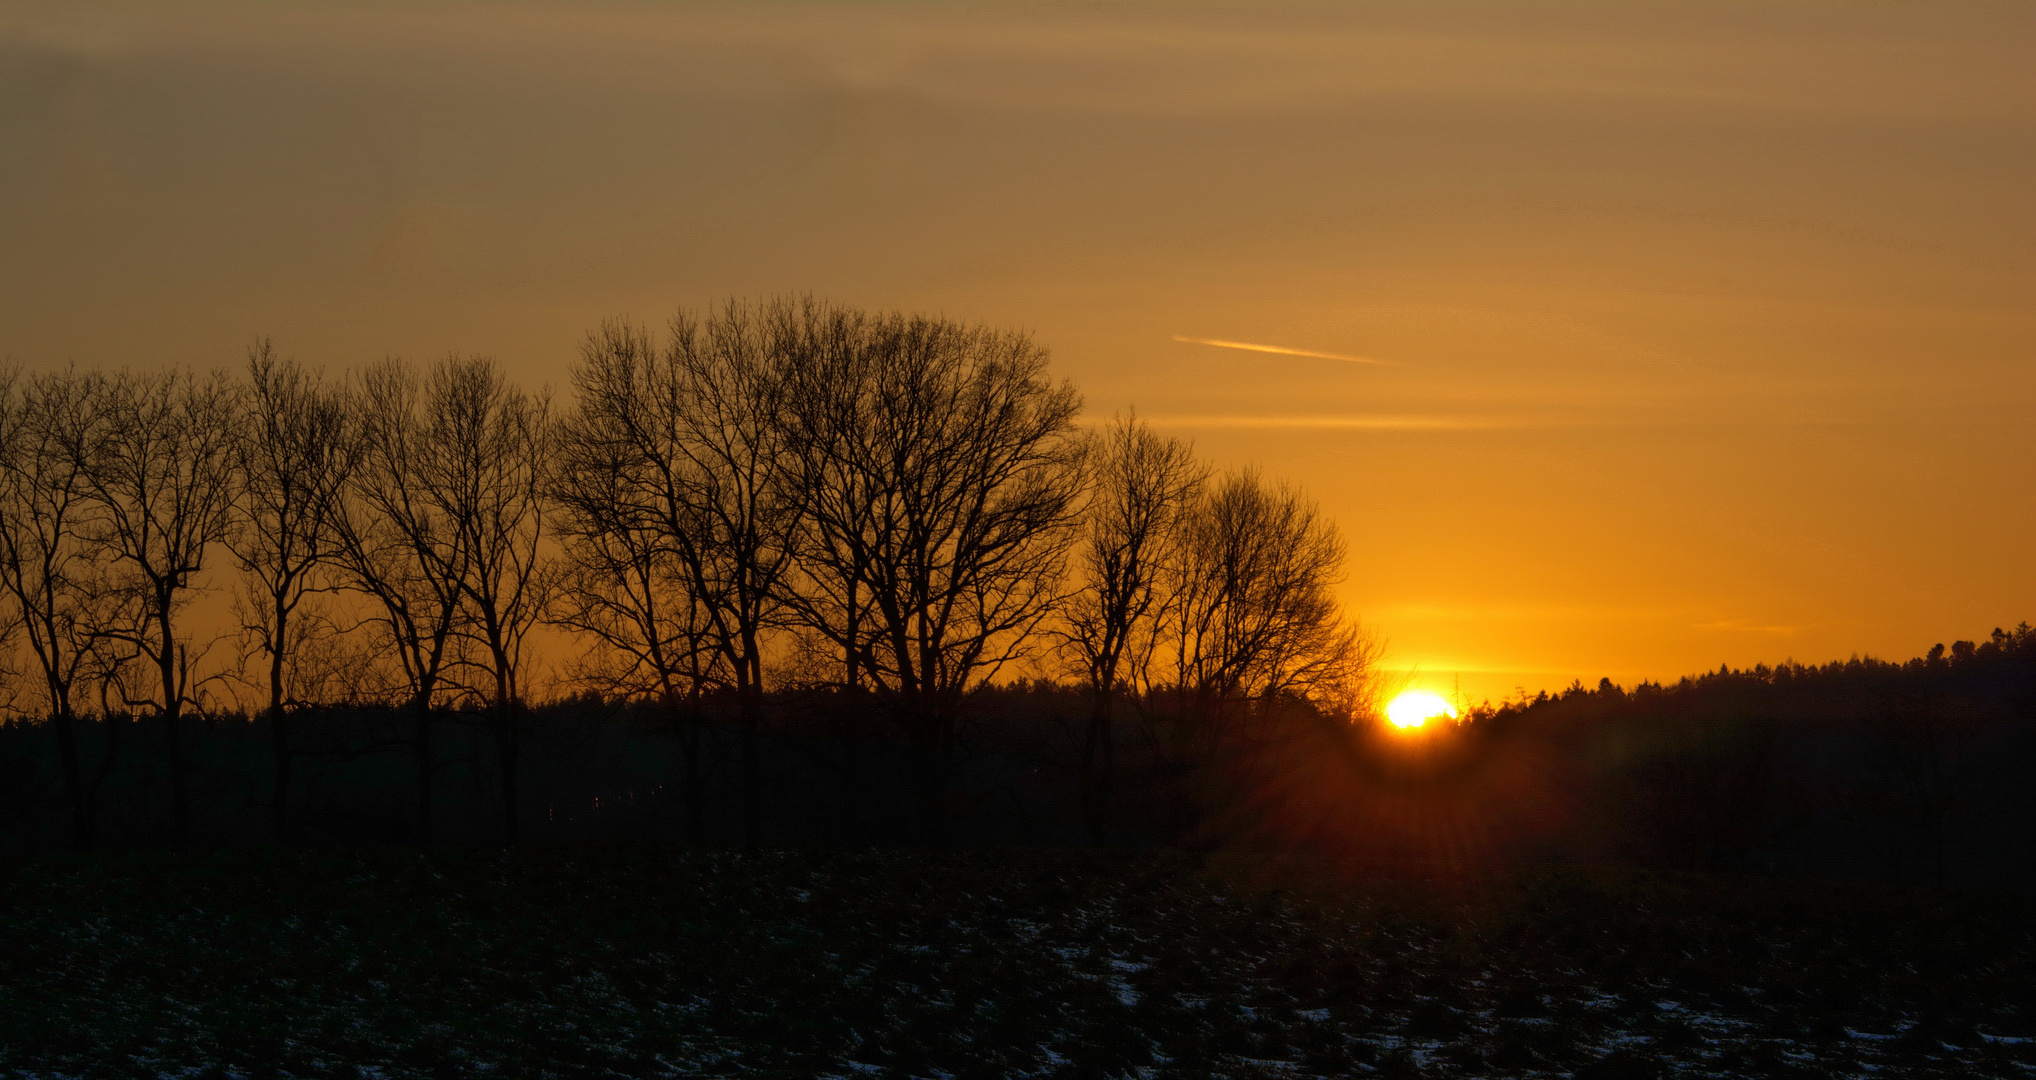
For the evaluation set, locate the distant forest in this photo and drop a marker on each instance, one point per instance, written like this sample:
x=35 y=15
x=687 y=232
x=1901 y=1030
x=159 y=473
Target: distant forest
x=805 y=574
x=1923 y=770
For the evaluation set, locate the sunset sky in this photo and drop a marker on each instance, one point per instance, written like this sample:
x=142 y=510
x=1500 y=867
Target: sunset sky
x=1619 y=339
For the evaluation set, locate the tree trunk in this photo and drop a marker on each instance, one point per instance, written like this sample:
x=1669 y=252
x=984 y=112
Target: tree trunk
x=173 y=734
x=279 y=731
x=695 y=794
x=752 y=781
x=686 y=728
x=180 y=803
x=74 y=777
x=421 y=742
x=932 y=724
x=1098 y=767
x=279 y=748
x=851 y=677
x=509 y=747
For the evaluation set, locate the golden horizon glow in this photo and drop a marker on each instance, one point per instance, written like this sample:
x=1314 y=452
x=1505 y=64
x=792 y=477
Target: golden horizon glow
x=1415 y=708
x=1551 y=299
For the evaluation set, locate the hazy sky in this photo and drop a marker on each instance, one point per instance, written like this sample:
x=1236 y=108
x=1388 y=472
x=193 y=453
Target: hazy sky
x=1689 y=334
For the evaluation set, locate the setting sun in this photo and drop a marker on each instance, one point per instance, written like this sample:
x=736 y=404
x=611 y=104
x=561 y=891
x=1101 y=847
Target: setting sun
x=1416 y=707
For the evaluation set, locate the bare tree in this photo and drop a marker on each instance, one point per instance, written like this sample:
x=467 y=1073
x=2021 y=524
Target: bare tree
x=829 y=355
x=157 y=465
x=293 y=456
x=621 y=580
x=1142 y=488
x=401 y=544
x=1254 y=616
x=696 y=427
x=491 y=441
x=1251 y=623
x=52 y=573
x=942 y=479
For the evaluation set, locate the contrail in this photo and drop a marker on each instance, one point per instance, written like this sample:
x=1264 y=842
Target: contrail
x=1280 y=349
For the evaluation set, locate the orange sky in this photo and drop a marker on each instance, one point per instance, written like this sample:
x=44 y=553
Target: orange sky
x=1703 y=332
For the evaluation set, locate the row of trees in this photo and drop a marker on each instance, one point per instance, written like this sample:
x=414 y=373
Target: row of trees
x=892 y=507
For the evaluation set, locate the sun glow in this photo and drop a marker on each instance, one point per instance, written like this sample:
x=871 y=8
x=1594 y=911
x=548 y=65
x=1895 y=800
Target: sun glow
x=1415 y=708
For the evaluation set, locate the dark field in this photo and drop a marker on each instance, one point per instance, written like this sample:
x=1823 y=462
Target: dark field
x=644 y=961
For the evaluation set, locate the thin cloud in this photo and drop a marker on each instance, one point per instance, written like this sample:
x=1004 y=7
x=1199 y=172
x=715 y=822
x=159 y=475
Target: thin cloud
x=1279 y=349
x=1513 y=613
x=1748 y=626
x=1338 y=423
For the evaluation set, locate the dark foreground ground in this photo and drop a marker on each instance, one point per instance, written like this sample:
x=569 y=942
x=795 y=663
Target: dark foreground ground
x=645 y=961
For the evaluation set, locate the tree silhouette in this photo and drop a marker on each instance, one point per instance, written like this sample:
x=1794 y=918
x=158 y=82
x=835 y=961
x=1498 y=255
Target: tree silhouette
x=293 y=455
x=942 y=480
x=157 y=461
x=492 y=441
x=1250 y=622
x=52 y=572
x=1142 y=489
x=1254 y=616
x=697 y=426
x=900 y=494
x=622 y=580
x=400 y=543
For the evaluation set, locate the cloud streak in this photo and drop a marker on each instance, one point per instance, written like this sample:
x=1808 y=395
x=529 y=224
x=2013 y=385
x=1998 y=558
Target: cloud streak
x=1522 y=612
x=1339 y=423
x=1280 y=350
x=1748 y=626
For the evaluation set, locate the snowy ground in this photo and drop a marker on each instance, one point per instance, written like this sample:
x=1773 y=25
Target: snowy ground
x=656 y=962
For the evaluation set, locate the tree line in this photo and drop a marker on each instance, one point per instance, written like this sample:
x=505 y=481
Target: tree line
x=887 y=508
x=1916 y=768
